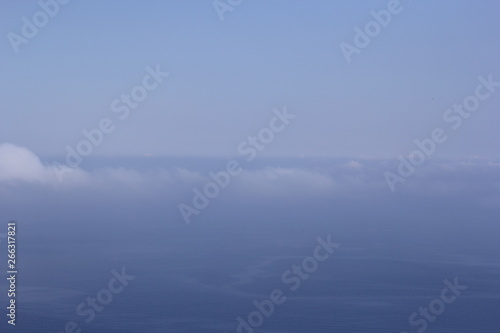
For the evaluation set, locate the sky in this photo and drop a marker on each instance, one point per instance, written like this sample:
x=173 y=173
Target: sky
x=226 y=76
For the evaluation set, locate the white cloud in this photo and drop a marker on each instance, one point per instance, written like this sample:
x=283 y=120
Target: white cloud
x=348 y=178
x=353 y=165
x=18 y=163
x=284 y=181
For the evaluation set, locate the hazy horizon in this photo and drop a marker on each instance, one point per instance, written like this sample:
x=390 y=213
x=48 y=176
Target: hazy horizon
x=273 y=166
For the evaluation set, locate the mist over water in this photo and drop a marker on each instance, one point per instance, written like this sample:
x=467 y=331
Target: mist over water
x=395 y=251
x=249 y=166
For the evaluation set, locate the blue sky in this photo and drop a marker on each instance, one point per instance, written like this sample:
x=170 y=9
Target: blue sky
x=227 y=76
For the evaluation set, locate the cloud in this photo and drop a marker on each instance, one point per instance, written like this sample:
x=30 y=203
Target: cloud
x=268 y=193
x=18 y=163
x=346 y=178
x=283 y=181
x=353 y=165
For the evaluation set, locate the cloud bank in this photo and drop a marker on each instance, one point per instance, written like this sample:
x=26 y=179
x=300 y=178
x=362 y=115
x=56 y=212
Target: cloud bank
x=347 y=178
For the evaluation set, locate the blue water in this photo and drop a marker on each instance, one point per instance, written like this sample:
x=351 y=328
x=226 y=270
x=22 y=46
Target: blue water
x=202 y=283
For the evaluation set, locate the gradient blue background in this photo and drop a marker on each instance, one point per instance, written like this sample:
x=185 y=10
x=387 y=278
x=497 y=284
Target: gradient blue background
x=227 y=76
x=323 y=175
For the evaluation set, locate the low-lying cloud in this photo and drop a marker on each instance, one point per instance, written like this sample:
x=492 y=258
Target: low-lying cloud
x=293 y=179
